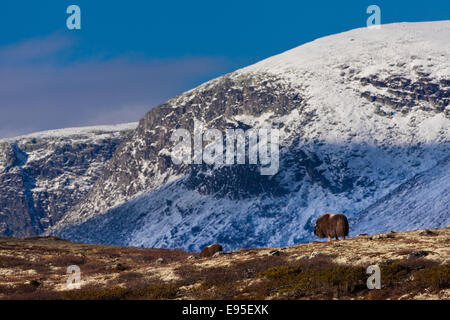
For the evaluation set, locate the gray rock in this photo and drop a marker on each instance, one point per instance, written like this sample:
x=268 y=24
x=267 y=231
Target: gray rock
x=33 y=283
x=417 y=254
x=427 y=232
x=274 y=253
x=117 y=267
x=387 y=262
x=381 y=236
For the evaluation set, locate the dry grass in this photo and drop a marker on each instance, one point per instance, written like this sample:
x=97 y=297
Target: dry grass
x=35 y=268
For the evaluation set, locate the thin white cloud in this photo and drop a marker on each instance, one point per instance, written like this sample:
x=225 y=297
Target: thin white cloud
x=35 y=49
x=38 y=94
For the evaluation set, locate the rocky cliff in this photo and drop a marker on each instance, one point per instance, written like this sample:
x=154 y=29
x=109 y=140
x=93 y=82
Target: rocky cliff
x=43 y=175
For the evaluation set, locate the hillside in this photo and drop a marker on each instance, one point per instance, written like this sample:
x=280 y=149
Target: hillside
x=414 y=265
x=361 y=114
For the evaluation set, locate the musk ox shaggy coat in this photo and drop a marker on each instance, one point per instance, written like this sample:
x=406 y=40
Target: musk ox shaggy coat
x=331 y=226
x=210 y=250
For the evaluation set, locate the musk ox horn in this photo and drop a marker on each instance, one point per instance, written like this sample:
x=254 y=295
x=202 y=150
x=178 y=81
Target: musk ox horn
x=331 y=226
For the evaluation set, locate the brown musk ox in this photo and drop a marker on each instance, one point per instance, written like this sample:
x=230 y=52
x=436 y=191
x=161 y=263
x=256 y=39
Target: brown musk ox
x=209 y=251
x=331 y=226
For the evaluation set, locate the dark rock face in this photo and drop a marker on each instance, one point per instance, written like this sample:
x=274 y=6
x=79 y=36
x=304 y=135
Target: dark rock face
x=41 y=178
x=140 y=165
x=19 y=217
x=234 y=182
x=403 y=94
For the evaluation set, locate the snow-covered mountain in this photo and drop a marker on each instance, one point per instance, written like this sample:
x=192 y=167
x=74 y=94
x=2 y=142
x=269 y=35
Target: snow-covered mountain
x=43 y=174
x=363 y=116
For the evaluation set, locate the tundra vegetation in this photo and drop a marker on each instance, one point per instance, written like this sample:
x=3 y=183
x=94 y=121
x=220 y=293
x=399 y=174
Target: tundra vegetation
x=414 y=265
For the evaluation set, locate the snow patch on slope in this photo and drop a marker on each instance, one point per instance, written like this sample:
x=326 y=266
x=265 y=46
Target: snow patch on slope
x=76 y=131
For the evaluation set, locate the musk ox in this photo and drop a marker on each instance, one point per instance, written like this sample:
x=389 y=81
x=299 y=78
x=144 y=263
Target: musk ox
x=331 y=226
x=210 y=250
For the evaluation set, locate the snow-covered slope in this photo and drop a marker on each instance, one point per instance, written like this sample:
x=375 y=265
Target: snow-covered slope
x=43 y=174
x=88 y=133
x=421 y=202
x=360 y=113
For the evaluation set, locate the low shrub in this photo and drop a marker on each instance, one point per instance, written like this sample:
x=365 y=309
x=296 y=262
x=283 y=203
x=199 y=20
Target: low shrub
x=95 y=293
x=23 y=263
x=129 y=276
x=67 y=260
x=157 y=291
x=300 y=281
x=436 y=277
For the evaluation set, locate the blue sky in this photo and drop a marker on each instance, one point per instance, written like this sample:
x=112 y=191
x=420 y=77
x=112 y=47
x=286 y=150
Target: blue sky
x=131 y=55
